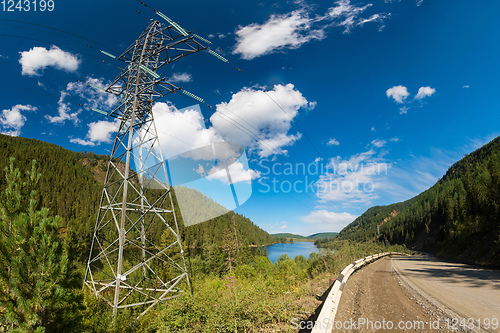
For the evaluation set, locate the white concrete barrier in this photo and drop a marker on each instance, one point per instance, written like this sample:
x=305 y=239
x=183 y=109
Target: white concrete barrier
x=325 y=321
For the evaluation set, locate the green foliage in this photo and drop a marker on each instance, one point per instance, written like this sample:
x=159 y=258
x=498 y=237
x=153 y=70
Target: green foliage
x=72 y=184
x=324 y=235
x=260 y=296
x=37 y=274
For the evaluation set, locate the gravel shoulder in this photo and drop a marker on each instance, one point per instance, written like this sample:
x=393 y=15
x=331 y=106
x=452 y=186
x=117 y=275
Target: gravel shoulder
x=376 y=300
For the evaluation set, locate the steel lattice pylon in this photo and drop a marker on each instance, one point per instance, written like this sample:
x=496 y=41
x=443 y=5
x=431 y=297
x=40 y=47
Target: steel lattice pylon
x=136 y=257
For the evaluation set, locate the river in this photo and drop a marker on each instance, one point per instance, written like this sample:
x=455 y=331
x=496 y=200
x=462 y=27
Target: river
x=291 y=249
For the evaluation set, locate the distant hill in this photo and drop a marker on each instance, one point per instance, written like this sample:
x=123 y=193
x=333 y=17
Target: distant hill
x=458 y=217
x=71 y=187
x=288 y=235
x=324 y=235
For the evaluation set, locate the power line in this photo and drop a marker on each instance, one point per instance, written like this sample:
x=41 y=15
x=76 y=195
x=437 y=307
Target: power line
x=63 y=31
x=51 y=43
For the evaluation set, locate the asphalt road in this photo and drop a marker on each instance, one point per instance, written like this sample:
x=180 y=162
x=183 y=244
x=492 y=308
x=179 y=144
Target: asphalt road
x=464 y=291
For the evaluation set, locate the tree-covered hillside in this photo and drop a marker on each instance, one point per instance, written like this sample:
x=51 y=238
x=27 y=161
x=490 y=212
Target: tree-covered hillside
x=458 y=217
x=71 y=188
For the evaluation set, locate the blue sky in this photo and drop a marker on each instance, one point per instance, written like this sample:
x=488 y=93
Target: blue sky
x=382 y=96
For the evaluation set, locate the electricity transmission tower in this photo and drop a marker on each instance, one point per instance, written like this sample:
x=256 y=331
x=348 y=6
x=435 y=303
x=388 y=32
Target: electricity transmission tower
x=136 y=257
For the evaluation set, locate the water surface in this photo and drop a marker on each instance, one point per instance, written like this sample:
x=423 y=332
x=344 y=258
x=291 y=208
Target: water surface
x=291 y=249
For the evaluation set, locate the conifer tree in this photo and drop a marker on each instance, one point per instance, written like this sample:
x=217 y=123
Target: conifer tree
x=37 y=274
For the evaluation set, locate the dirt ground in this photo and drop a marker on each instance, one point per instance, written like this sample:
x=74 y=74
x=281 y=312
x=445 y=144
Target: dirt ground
x=374 y=300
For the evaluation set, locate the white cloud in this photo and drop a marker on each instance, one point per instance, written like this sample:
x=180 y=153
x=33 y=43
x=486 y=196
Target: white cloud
x=39 y=58
x=184 y=131
x=64 y=112
x=404 y=110
x=238 y=174
x=379 y=143
x=100 y=131
x=373 y=129
x=395 y=139
x=289 y=30
x=466 y=86
x=13 y=120
x=425 y=92
x=399 y=93
x=333 y=142
x=352 y=180
x=294 y=29
x=179 y=132
x=82 y=142
x=180 y=77
x=92 y=97
x=347 y=15
x=419 y=2
x=257 y=111
x=325 y=221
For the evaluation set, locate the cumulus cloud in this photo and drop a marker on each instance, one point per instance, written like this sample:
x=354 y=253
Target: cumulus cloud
x=333 y=142
x=180 y=77
x=425 y=92
x=289 y=30
x=39 y=58
x=98 y=132
x=398 y=93
x=292 y=30
x=181 y=131
x=325 y=221
x=101 y=131
x=268 y=115
x=13 y=120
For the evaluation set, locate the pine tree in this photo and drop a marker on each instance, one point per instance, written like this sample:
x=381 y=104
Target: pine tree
x=37 y=274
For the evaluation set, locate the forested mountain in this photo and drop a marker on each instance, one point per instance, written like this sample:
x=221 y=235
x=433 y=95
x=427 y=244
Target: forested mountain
x=71 y=186
x=324 y=235
x=288 y=235
x=458 y=217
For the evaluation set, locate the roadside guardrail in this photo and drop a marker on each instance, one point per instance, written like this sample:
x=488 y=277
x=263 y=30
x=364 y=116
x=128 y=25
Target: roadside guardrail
x=326 y=317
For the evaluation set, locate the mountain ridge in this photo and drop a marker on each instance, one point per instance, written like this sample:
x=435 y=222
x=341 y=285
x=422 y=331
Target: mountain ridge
x=71 y=185
x=457 y=218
